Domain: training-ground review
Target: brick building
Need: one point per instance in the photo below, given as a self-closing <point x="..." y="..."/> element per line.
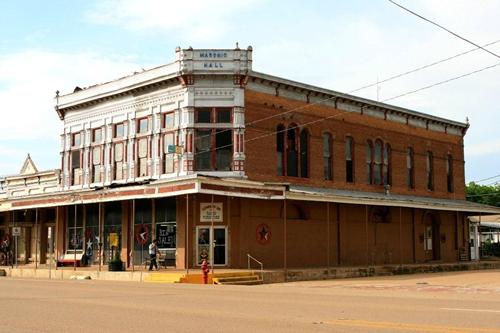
<point x="211" y="157"/>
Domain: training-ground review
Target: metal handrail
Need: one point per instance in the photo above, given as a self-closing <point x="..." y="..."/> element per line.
<point x="258" y="262"/>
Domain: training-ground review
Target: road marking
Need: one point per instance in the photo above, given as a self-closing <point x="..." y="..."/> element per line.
<point x="408" y="327"/>
<point x="471" y="310"/>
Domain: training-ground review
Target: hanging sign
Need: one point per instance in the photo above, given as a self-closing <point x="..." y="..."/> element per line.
<point x="113" y="239"/>
<point x="211" y="212"/>
<point x="16" y="231"/>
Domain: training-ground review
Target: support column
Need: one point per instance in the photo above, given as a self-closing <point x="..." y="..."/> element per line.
<point x="60" y="231"/>
<point x="284" y="237"/>
<point x="414" y="246"/>
<point x="125" y="232"/>
<point x="400" y="236"/>
<point x="339" y="248"/>
<point x="366" y="234"/>
<point x="328" y="239"/>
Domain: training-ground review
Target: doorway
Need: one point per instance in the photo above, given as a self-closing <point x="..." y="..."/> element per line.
<point x="215" y="236"/>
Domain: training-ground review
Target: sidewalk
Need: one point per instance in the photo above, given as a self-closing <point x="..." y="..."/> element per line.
<point x="270" y="276"/>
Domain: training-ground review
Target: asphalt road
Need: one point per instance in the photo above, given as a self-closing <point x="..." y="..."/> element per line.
<point x="456" y="302"/>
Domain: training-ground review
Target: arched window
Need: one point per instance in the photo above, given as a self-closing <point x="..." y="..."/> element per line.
<point x="304" y="153"/>
<point x="410" y="168"/>
<point x="430" y="171"/>
<point x="349" y="159"/>
<point x="291" y="151"/>
<point x="387" y="164"/>
<point x="280" y="149"/>
<point x="377" y="163"/>
<point x="449" y="173"/>
<point x="369" y="162"/>
<point x="327" y="156"/>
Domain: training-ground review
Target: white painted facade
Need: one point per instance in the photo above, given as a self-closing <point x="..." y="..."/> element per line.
<point x="214" y="81"/>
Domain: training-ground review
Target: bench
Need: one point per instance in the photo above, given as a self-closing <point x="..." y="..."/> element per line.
<point x="69" y="259"/>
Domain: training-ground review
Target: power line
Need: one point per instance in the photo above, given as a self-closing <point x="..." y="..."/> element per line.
<point x="445" y="29"/>
<point x="422" y="67"/>
<point x="485" y="179"/>
<point x="441" y="82"/>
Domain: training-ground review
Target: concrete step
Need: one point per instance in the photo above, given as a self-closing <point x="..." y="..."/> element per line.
<point x="238" y="279"/>
<point x="164" y="277"/>
<point x="243" y="282"/>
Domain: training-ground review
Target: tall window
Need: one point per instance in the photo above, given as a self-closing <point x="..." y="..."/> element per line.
<point x="291" y="151"/>
<point x="76" y="171"/>
<point x="119" y="131"/>
<point x="449" y="173"/>
<point x="369" y="162"/>
<point x="304" y="153"/>
<point x="96" y="154"/>
<point x="410" y="168"/>
<point x="430" y="171"/>
<point x="143" y="125"/>
<point x="118" y="155"/>
<point x="387" y="164"/>
<point x="327" y="156"/>
<point x="349" y="159"/>
<point x="214" y="143"/>
<point x="76" y="161"/>
<point x="378" y="162"/>
<point x="169" y="140"/>
<point x="280" y="149"/>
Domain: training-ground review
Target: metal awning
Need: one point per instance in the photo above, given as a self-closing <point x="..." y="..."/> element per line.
<point x="297" y="192"/>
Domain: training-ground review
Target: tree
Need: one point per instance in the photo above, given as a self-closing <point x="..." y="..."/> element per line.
<point x="484" y="194"/>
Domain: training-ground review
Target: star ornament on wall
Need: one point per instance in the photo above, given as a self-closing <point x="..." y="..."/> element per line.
<point x="263" y="234"/>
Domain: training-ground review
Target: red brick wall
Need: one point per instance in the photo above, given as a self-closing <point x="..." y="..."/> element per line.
<point x="261" y="158"/>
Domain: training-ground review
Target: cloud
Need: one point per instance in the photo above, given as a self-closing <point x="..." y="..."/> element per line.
<point x="197" y="20"/>
<point x="28" y="84"/>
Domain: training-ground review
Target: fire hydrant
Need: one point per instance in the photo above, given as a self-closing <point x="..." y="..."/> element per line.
<point x="204" y="271"/>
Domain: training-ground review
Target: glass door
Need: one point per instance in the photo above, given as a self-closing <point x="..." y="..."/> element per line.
<point x="217" y="236"/>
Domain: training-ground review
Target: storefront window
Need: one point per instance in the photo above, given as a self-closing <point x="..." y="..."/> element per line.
<point x="142" y="230"/>
<point x="92" y="234"/>
<point x="166" y="228"/>
<point x="75" y="228"/>
<point x="112" y="229"/>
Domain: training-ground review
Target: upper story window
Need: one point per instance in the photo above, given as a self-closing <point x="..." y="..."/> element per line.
<point x="369" y="162"/>
<point x="327" y="156"/>
<point x="213" y="149"/>
<point x="378" y="164"/>
<point x="292" y="150"/>
<point x="449" y="173"/>
<point x="410" y="168"/>
<point x="218" y="115"/>
<point x="169" y="120"/>
<point x="430" y="171"/>
<point x="97" y="135"/>
<point x="280" y="149"/>
<point x="304" y="153"/>
<point x="76" y="140"/>
<point x="143" y="125"/>
<point x="119" y="131"/>
<point x="349" y="160"/>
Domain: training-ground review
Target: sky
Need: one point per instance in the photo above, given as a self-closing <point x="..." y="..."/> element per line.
<point x="341" y="45"/>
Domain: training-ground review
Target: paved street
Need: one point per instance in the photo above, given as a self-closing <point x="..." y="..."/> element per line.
<point x="454" y="302"/>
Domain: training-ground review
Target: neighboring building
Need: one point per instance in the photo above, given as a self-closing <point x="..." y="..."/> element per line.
<point x="211" y="157"/>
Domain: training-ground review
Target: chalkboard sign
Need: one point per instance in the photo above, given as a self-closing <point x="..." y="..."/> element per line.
<point x="165" y="234"/>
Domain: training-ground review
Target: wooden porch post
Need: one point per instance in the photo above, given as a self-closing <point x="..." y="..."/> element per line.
<point x="328" y="239"/>
<point x="284" y="237"/>
<point x="366" y="234"/>
<point x="186" y="256"/>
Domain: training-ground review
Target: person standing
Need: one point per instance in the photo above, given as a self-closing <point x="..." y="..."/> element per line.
<point x="153" y="252"/>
